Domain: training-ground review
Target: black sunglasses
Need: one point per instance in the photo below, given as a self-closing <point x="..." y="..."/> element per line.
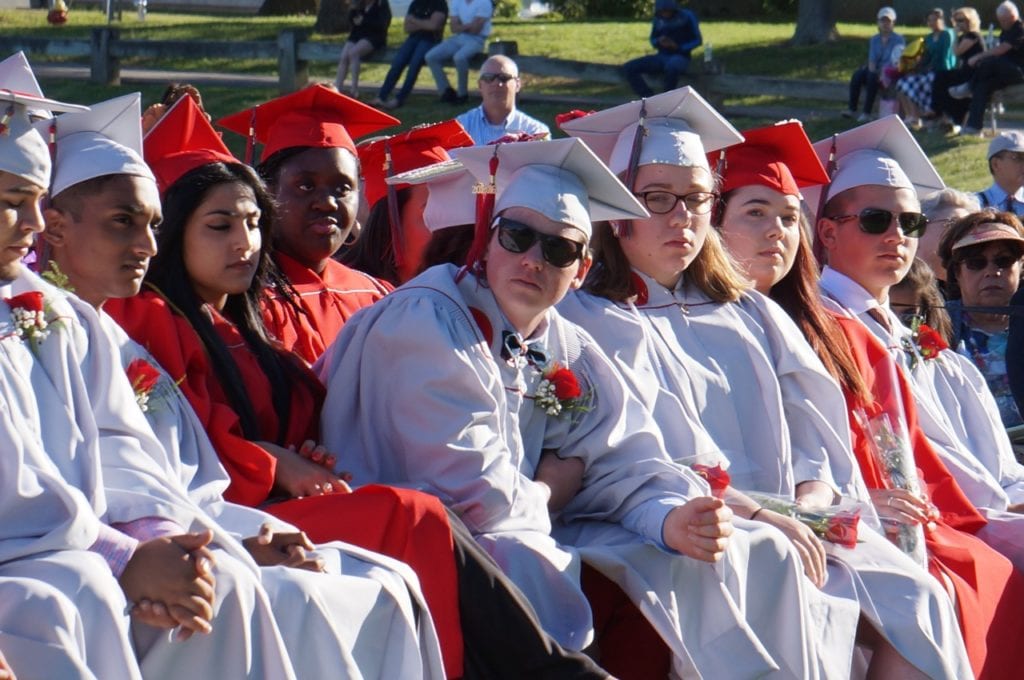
<point x="876" y="221"/>
<point x="516" y="237"/>
<point x="979" y="262"/>
<point x="502" y="78"/>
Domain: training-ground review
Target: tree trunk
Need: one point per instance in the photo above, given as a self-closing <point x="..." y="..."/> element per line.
<point x="815" y="23"/>
<point x="332" y="17"/>
<point x="285" y="7"/>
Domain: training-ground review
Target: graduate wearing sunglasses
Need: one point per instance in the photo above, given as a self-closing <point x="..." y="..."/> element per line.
<point x="880" y="166"/>
<point x="982" y="253"/>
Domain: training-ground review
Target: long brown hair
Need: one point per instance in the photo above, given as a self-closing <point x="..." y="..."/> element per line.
<point x="797" y="293"/>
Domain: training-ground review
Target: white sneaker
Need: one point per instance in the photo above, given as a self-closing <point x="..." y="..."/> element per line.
<point x="864" y="117"/>
<point x="968" y="131"/>
<point x="962" y="91"/>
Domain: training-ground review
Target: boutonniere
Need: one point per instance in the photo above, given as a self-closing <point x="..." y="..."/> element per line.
<point x="559" y="390"/>
<point x="924" y="342"/>
<point x="28" y="314"/>
<point x="144" y="378"/>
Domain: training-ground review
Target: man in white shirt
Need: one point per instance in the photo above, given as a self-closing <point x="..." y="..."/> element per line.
<point x="498" y="116"/>
<point x="471" y="24"/>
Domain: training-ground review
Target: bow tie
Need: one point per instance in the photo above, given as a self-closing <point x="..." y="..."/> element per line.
<point x="515" y="351"/>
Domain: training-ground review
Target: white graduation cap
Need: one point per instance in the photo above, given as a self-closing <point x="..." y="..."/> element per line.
<point x="23" y="149"/>
<point x="106" y="140"/>
<point x="882" y="153"/>
<point x="451" y="201"/>
<point x="681" y="129"/>
<point x="561" y="179"/>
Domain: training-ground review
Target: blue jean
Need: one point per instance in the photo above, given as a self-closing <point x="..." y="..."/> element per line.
<point x="670" y="66"/>
<point x="867" y="79"/>
<point x="460" y="48"/>
<point x="411" y="54"/>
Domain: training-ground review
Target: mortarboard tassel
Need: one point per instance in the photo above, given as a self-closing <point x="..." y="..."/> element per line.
<point x="484" y="213"/>
<point x="394" y="216"/>
<point x="623" y="226"/>
<point x="5" y="122"/>
<point x="830" y="169"/>
<point x="250" y="141"/>
<point x="51" y="140"/>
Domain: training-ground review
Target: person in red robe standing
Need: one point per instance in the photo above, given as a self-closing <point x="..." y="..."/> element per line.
<point x="311" y="168"/>
<point x="260" y="404"/>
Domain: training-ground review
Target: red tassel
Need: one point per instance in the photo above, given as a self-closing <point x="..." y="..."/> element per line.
<point x="250" y="142"/>
<point x="394" y="217"/>
<point x="5" y="122"/>
<point x="52" y="140"/>
<point x="484" y="214"/>
<point x="830" y="169"/>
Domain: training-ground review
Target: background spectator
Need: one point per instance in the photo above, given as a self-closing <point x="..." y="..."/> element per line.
<point x="370" y="20"/>
<point x="424" y="22"/>
<point x="497" y="115"/>
<point x="1006" y="163"/>
<point x="915" y="89"/>
<point x="942" y="208"/>
<point x="674" y="34"/>
<point x="968" y="43"/>
<point x="995" y="68"/>
<point x="471" y="24"/>
<point x="884" y="49"/>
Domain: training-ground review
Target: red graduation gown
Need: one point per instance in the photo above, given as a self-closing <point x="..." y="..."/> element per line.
<point x="988" y="589"/>
<point x="328" y="301"/>
<point x="407" y="525"/>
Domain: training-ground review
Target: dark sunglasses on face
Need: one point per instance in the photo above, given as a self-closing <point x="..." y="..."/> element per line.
<point x="502" y="78"/>
<point x="877" y="221"/>
<point x="516" y="237"/>
<point x="980" y="262"/>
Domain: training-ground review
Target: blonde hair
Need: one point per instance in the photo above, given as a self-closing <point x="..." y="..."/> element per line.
<point x="971" y="14"/>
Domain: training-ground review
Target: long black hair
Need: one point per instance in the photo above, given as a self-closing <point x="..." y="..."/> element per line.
<point x="374" y="252"/>
<point x="167" y="275"/>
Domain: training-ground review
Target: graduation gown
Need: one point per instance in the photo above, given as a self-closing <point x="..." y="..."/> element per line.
<point x="409" y="527"/>
<point x="745" y="374"/>
<point x="957" y="413"/>
<point x="361" y="606"/>
<point x="987" y="586"/>
<point x="325" y="302"/>
<point x="443" y="410"/>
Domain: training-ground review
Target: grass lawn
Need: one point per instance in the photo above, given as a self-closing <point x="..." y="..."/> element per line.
<point x="744" y="48"/>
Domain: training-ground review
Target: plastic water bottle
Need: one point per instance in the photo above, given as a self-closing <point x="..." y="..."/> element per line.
<point x="707" y="54"/>
<point x="142" y="9"/>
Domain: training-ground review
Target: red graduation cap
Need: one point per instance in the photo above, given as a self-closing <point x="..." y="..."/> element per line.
<point x="779" y="156"/>
<point x="316" y="116"/>
<point x="419" y="147"/>
<point x="182" y="140"/>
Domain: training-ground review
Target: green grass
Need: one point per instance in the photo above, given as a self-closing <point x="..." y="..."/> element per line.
<point x="745" y="48"/>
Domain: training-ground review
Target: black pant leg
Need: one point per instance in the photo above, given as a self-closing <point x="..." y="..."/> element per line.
<point x="503" y="637"/>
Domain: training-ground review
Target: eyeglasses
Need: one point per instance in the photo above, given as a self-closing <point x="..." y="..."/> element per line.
<point x="664" y="202"/>
<point x="980" y="262"/>
<point x="516" y="237"/>
<point x="1015" y="156"/>
<point x="502" y="78"/>
<point x="876" y="221"/>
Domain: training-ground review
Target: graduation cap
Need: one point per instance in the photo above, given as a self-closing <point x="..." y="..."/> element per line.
<point x="562" y="179"/>
<point x="183" y="140"/>
<point x="421" y="146"/>
<point x="316" y="116"/>
<point x="106" y="140"/>
<point x="450" y="201"/>
<point x="778" y="156"/>
<point x="882" y="152"/>
<point x="676" y="128"/>
<point x="23" y="148"/>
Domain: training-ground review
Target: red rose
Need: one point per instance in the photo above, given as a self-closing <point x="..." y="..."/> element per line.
<point x="716" y="477"/>
<point x="566" y="385"/>
<point x="570" y="115"/>
<point x="842" y="529"/>
<point x="143" y="376"/>
<point x="930" y="342"/>
<point x="31" y="301"/>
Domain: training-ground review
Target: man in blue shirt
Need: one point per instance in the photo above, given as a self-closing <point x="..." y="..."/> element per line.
<point x="498" y="116"/>
<point x="674" y="33"/>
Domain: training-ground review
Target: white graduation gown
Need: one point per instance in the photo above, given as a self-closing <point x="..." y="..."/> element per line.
<point x="364" y="618"/>
<point x="93" y="432"/>
<point x="746" y="373"/>
<point x="957" y="413"/>
<point x="419" y="395"/>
